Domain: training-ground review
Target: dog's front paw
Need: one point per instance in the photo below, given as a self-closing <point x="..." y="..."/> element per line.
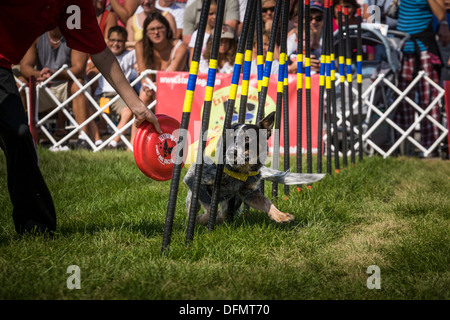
<point x="203" y="219"/>
<point x="278" y="216"/>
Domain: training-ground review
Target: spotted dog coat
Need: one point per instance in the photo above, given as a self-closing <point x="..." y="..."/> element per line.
<point x="243" y="170"/>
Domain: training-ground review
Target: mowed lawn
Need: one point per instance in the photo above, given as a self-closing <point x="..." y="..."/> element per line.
<point x="388" y="214"/>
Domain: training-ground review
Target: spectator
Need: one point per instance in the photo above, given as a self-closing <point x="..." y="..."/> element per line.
<point x="117" y="37"/>
<point x="135" y="23"/>
<point x="176" y="11"/>
<point x="369" y="14"/>
<point x="209" y="28"/>
<point x="33" y="207"/>
<point x="351" y="5"/>
<point x="105" y="18"/>
<point x="275" y="63"/>
<point x="421" y="53"/>
<point x="124" y="9"/>
<point x="444" y="50"/>
<point x="227" y="51"/>
<point x="192" y="17"/>
<point x="47" y="55"/>
<point x="316" y="25"/>
<point x="268" y="10"/>
<point x="158" y="50"/>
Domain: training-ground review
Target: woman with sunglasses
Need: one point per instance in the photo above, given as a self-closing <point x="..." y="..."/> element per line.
<point x="268" y="10"/>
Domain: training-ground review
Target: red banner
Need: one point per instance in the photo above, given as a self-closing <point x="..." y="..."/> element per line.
<point x="172" y="88"/>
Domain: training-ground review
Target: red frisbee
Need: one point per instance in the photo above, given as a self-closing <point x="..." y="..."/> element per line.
<point x="153" y="152"/>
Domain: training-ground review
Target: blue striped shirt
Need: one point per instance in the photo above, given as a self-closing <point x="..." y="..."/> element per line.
<point x="414" y="17"/>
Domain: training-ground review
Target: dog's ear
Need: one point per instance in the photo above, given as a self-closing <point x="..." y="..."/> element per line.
<point x="267" y="123"/>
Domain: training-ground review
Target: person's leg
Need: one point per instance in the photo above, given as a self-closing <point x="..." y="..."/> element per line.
<point x="33" y="208"/>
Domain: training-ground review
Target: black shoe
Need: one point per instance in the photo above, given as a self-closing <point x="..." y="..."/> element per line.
<point x="82" y="144"/>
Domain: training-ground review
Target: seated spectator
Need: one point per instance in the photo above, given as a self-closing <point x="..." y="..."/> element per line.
<point x="209" y="28"/>
<point x="227" y="52"/>
<point x="123" y="9"/>
<point x="47" y="55"/>
<point x="175" y="10"/>
<point x="192" y="17"/>
<point x="158" y="50"/>
<point x="117" y="37"/>
<point x="275" y="63"/>
<point x="135" y="23"/>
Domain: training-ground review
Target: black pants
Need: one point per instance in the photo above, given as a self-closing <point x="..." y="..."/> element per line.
<point x="33" y="207"/>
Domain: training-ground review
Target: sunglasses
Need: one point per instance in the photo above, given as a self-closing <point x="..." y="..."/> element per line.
<point x="317" y="18"/>
<point x="264" y="10"/>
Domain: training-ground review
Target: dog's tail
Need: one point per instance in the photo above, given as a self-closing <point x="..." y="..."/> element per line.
<point x="289" y="178"/>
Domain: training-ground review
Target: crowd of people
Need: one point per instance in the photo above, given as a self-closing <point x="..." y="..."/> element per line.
<point x="160" y="35"/>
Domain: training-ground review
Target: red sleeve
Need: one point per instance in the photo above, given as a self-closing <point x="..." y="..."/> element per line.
<point x="80" y="28"/>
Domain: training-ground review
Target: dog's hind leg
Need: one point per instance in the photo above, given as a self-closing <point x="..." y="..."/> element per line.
<point x="188" y="203"/>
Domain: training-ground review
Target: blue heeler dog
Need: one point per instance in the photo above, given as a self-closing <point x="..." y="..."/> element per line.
<point x="245" y="153"/>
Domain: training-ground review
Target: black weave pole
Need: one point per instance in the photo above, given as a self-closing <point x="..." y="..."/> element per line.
<point x="229" y="112"/>
<point x="333" y="92"/>
<point x="267" y="69"/>
<point x="299" y="158"/>
<point x="259" y="46"/>
<point x="308" y="86"/>
<point x="247" y="69"/>
<point x="286" y="162"/>
<point x="348" y="47"/>
<point x="327" y="28"/>
<point x="187" y="106"/>
<point x="280" y="89"/>
<point x="205" y="121"/>
<point x="359" y="59"/>
<point x="323" y="70"/>
<point x="341" y="46"/>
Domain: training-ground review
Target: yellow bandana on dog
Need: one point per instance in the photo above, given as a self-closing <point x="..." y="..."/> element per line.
<point x="240" y="176"/>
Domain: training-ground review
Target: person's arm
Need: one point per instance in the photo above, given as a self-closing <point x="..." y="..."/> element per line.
<point x="179" y="59"/>
<point x="130" y="40"/>
<point x="438" y="9"/>
<point x="172" y="23"/>
<point x="126" y="11"/>
<point x="108" y="65"/>
<point x="29" y="61"/>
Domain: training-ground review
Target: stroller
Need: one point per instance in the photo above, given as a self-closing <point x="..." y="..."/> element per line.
<point x="387" y="61"/>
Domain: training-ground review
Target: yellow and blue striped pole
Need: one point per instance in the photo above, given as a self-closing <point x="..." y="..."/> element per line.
<point x="308" y="86"/>
<point x="299" y="88"/>
<point x="350" y="85"/>
<point x="259" y="45"/>
<point x="328" y="81"/>
<point x="280" y="106"/>
<point x="187" y="106"/>
<point x="342" y="86"/>
<point x="359" y="80"/>
<point x="229" y="112"/>
<point x="209" y="92"/>
<point x="268" y="62"/>
<point x="286" y="164"/>
<point x="333" y="91"/>
<point x="247" y="70"/>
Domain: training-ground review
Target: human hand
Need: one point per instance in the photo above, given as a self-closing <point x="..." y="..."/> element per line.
<point x="44" y="74"/>
<point x="147" y="115"/>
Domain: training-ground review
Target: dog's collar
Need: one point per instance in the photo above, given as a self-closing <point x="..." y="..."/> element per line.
<point x="239" y="175"/>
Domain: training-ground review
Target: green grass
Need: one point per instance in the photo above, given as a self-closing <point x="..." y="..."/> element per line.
<point x="393" y="213"/>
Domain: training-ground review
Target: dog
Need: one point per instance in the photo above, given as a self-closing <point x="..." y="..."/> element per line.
<point x="245" y="152"/>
